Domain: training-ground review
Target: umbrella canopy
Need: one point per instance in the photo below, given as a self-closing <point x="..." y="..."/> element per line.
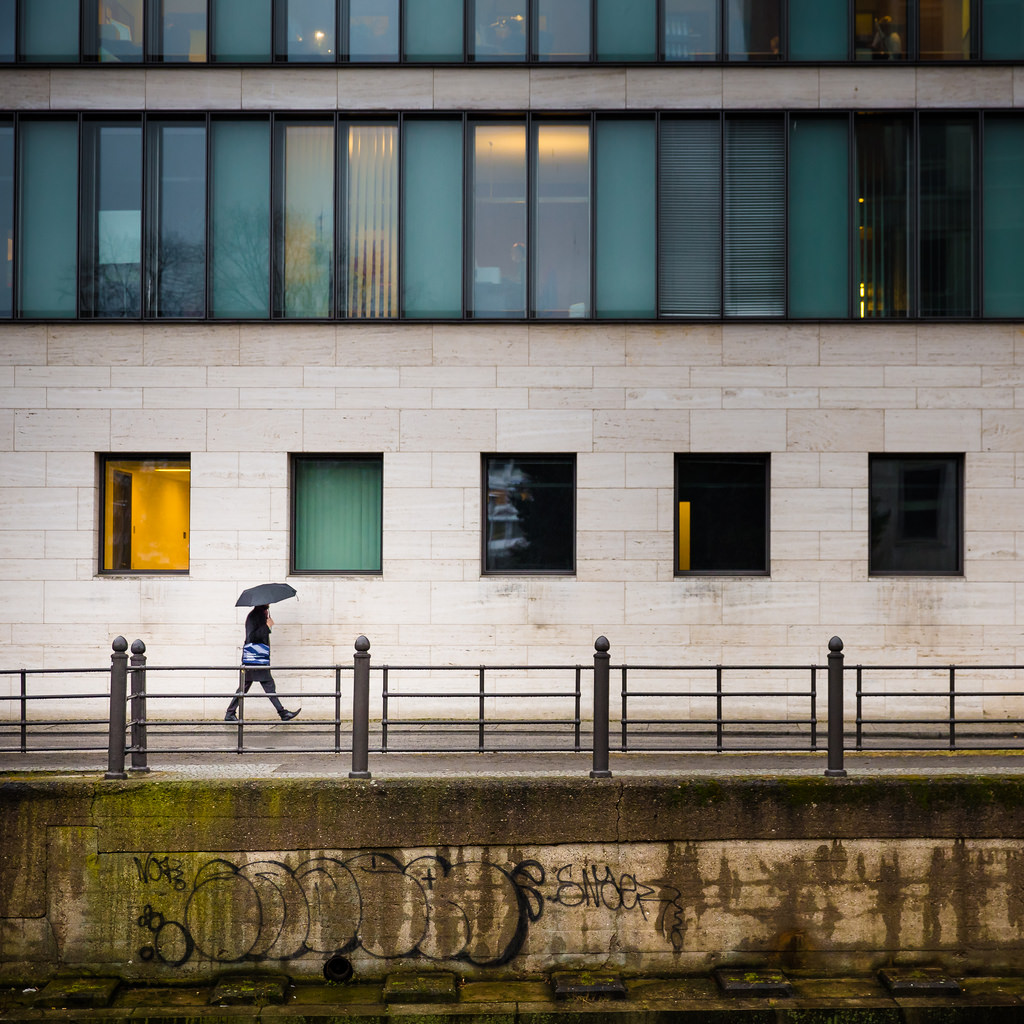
<point x="265" y="593"/>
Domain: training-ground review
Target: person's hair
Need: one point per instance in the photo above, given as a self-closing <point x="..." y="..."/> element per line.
<point x="256" y="617"/>
<point x="885" y="23"/>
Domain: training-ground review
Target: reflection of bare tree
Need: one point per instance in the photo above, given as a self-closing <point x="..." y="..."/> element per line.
<point x="117" y="289"/>
<point x="307" y="267"/>
<point x="241" y="261"/>
<point x="179" y="275"/>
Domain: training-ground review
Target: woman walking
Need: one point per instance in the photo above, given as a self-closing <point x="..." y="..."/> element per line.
<point x="258" y="624"/>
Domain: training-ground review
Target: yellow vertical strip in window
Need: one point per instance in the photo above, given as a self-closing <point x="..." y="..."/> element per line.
<point x="684" y="536"/>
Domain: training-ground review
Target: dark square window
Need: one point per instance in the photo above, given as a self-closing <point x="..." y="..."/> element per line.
<point x="529" y="513"/>
<point x="722" y="514"/>
<point x="337" y="513"/>
<point x="916" y="504"/>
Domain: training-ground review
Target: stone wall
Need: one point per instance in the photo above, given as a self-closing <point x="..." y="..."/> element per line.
<point x="161" y="879"/>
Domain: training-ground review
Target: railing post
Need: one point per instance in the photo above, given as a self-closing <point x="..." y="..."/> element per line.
<point x="140" y="752"/>
<point x="361" y="710"/>
<point x="118" y="697"/>
<point x="601" y="669"/>
<point x="835" y="767"/>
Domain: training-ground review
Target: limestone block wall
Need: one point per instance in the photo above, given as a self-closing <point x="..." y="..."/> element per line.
<point x="239" y="399"/>
<point x="157" y="880"/>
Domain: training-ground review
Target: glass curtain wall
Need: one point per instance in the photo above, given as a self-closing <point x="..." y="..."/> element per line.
<point x="433" y="30"/>
<point x="372" y="30"/>
<point x="120" y="30"/>
<point x="50" y="30"/>
<point x="818" y="30"/>
<point x="947" y="230"/>
<point x="176" y="219"/>
<point x="499" y="29"/>
<point x="307" y="30"/>
<point x="240" y="31"/>
<point x="240" y="218"/>
<point x="691" y="30"/>
<point x="499" y="220"/>
<point x="561" y="29"/>
<point x="371" y="229"/>
<point x="304" y="264"/>
<point x="111" y="268"/>
<point x="183" y="30"/>
<point x="561" y="220"/>
<point x="7" y="218"/>
<point x="432" y="210"/>
<point x="8" y="37"/>
<point x="1003" y="29"/>
<point x="884" y="179"/>
<point x="627" y="31"/>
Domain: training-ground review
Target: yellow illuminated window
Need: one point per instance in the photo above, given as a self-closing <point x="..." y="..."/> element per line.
<point x="145" y="514"/>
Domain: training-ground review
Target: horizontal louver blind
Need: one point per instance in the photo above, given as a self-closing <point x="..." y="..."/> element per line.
<point x="690" y="240"/>
<point x="755" y="212"/>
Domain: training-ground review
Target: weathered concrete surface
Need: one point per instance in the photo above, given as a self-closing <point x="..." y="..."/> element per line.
<point x="157" y="879"/>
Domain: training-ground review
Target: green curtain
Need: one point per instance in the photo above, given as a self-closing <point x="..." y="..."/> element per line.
<point x="625" y="250"/>
<point x="1003" y="227"/>
<point x="338" y="515"/>
<point x="819" y="231"/>
<point x="241" y="218"/>
<point x="432" y="251"/>
<point x="47" y="228"/>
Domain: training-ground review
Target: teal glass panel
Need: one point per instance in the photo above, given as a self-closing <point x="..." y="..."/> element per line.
<point x="337" y="514"/>
<point x="562" y="29"/>
<point x="176" y="151"/>
<point x="433" y="30"/>
<point x="310" y="31"/>
<point x="819" y="29"/>
<point x="304" y="268"/>
<point x="48" y="219"/>
<point x="432" y="254"/>
<point x="7" y="218"/>
<point x="373" y="30"/>
<point x="49" y="30"/>
<point x="499" y="30"/>
<point x="626" y="248"/>
<point x="7" y="30"/>
<point x="947" y="173"/>
<point x="1003" y="204"/>
<point x="819" y="217"/>
<point x="691" y="30"/>
<point x="183" y="30"/>
<point x="1002" y="26"/>
<point x="112" y="222"/>
<point x="627" y="31"/>
<point x="240" y="211"/>
<point x="241" y="30"/>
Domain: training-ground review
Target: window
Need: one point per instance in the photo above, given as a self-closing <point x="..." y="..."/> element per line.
<point x="529" y="513"/>
<point x="307" y="30"/>
<point x="120" y="28"/>
<point x="6" y="218"/>
<point x="1003" y="200"/>
<point x="722" y="514"/>
<point x="49" y="30"/>
<point x="916" y="508"/>
<point x="240" y="31"/>
<point x="183" y="30"/>
<point x="145" y="502"/>
<point x="337" y="513"/>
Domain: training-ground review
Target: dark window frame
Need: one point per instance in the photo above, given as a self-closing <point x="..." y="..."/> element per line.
<point x="486" y="460"/>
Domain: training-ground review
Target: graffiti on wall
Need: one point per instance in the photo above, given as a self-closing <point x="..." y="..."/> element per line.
<point x="476" y="911"/>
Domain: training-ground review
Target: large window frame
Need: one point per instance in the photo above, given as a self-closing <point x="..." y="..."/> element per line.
<point x="506" y="499"/>
<point x="916" y="511"/>
<point x="130" y="486"/>
<point x="360" y="479"/>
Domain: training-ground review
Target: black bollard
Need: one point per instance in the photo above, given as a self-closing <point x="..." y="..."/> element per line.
<point x="361" y="710"/>
<point x="602" y="661"/>
<point x="118" y="709"/>
<point x="835" y="767"/>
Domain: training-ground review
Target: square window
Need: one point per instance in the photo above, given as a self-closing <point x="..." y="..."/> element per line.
<point x="529" y="513"/>
<point x="337" y="506"/>
<point x="145" y="503"/>
<point x="722" y="514"/>
<point x="916" y="504"/>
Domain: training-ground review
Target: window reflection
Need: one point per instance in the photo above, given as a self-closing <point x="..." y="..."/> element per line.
<point x="310" y="30"/>
<point x="183" y="30"/>
<point x="499" y="220"/>
<point x="691" y="29"/>
<point x="563" y="29"/>
<point x="373" y="30"/>
<point x="880" y="29"/>
<point x="499" y="29"/>
<point x="561" y="276"/>
<point x="120" y="30"/>
<point x="372" y="221"/>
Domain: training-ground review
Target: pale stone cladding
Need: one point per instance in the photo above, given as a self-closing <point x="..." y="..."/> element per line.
<point x="624" y="398"/>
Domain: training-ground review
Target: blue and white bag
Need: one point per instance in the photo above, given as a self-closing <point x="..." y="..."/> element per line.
<point x="256" y="654"/>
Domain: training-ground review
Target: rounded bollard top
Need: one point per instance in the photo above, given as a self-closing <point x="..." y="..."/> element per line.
<point x="138" y="647"/>
<point x="120" y="645"/>
<point x="835" y="645"/>
<point x="601" y="644"/>
<point x="362" y="644"/>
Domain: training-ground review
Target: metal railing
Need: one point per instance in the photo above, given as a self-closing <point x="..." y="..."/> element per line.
<point x="560" y="726"/>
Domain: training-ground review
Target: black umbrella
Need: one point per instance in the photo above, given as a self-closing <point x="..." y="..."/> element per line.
<point x="265" y="593"/>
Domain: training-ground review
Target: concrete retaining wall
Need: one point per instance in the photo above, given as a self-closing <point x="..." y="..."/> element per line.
<point x="162" y="879"/>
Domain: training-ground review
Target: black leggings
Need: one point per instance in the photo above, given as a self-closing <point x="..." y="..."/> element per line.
<point x="263" y="676"/>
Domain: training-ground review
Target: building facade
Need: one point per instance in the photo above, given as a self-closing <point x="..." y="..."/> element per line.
<point x="494" y="327"/>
